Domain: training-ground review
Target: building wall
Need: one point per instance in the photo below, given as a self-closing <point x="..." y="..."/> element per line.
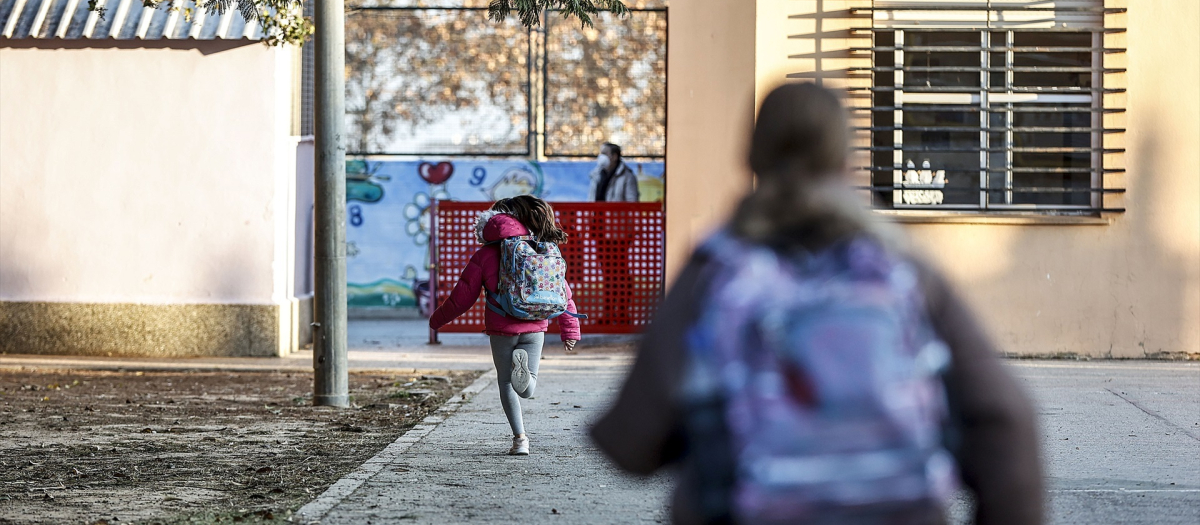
<point x="710" y="111"/>
<point x="303" y="279"/>
<point x="147" y="198"/>
<point x="1127" y="285"/>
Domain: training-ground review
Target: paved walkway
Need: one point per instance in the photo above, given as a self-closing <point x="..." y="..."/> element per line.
<point x="1122" y="447"/>
<point x="455" y="470"/>
<point x="1122" y="439"/>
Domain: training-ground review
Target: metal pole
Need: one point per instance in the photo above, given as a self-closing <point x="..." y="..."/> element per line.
<point x="434" y="266"/>
<point x="330" y="374"/>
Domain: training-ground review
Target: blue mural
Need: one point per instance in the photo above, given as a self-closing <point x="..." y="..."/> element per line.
<point x="362" y="184"/>
<point x="388" y="205"/>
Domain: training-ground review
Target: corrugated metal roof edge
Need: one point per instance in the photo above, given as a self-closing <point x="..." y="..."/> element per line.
<point x="134" y="39"/>
<point x="124" y="20"/>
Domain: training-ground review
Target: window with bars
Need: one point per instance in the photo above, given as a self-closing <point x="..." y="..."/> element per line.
<point x="990" y="105"/>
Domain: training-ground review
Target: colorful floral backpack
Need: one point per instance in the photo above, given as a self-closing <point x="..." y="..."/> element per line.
<point x="814" y="390"/>
<point x="533" y="282"/>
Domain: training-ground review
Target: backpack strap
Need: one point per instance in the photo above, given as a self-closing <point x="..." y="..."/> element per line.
<point x="529" y="238"/>
<point x="720" y="244"/>
<point x="724" y="250"/>
<point x="490" y="299"/>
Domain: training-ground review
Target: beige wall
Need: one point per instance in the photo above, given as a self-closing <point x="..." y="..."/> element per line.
<point x="1126" y="286"/>
<point x="149" y="173"/>
<point x="710" y="110"/>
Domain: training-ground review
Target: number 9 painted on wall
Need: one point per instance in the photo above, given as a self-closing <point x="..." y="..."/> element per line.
<point x="477" y="176"/>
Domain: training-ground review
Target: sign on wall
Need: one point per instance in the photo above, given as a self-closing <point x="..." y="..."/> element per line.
<point x="388" y="212"/>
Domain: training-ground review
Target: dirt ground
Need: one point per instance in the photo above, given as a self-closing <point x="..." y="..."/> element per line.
<point x="191" y="447"/>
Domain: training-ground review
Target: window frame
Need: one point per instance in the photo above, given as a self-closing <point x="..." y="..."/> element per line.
<point x="988" y="100"/>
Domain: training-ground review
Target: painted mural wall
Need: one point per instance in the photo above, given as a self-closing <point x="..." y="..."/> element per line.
<point x="388" y="206"/>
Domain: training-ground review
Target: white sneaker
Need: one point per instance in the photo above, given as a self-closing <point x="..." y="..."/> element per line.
<point x="520" y="370"/>
<point x="520" y="447"/>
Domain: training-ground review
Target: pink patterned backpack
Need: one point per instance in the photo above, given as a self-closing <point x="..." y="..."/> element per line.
<point x="533" y="283"/>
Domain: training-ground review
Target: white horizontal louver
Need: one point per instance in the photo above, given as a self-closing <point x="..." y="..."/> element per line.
<point x="981" y="14"/>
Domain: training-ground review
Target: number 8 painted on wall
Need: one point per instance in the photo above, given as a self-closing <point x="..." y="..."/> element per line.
<point x="356" y="218"/>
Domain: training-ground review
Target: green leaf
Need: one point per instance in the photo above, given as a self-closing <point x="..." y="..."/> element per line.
<point x="529" y="11"/>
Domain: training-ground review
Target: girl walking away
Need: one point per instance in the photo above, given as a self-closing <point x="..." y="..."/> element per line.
<point x="806" y="367"/>
<point x="523" y="295"/>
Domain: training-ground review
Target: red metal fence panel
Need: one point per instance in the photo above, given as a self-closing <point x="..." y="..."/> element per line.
<point x="614" y="256"/>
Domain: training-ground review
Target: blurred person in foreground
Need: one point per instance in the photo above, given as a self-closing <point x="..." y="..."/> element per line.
<point x="805" y="368"/>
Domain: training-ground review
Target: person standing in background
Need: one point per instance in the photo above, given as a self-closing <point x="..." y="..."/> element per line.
<point x="612" y="179"/>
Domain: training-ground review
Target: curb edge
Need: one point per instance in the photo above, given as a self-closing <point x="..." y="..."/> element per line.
<point x="312" y="512"/>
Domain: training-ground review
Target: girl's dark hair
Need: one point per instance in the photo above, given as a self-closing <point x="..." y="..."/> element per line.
<point x="799" y="152"/>
<point x="536" y="214"/>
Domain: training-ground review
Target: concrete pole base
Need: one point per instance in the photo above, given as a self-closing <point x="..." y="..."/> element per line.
<point x="340" y="401"/>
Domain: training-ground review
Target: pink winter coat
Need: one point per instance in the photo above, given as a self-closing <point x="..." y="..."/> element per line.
<point x="484" y="270"/>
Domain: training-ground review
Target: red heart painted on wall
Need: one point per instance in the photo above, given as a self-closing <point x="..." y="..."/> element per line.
<point x="436" y="173"/>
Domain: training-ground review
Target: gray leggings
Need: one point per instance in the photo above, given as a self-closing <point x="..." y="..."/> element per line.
<point x="502" y="349"/>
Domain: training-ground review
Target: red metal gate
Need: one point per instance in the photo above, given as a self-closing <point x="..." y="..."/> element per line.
<point x="614" y="256"/>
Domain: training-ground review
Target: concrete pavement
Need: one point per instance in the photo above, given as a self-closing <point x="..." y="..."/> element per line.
<point x="1121" y="438"/>
<point x="457" y="472"/>
<point x="1122" y="446"/>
